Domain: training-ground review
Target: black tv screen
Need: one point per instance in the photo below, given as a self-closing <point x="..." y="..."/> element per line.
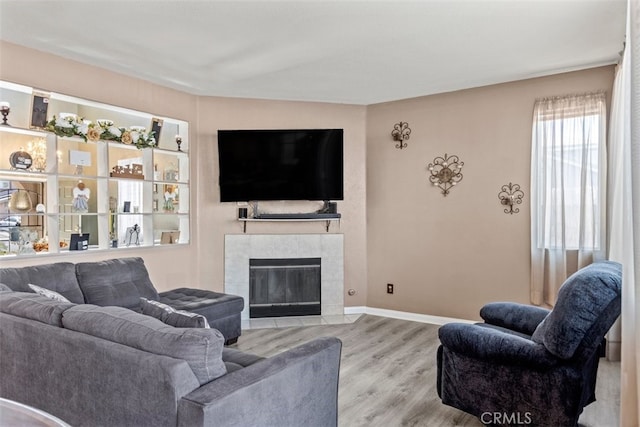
<point x="297" y="164"/>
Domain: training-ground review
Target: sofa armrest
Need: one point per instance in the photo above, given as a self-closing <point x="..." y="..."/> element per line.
<point x="296" y="387"/>
<point x="495" y="346"/>
<point x="517" y="317"/>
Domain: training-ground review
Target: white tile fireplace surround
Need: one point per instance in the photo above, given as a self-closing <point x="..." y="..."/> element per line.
<point x="239" y="248"/>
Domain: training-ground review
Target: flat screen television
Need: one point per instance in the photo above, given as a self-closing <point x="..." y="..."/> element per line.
<point x="296" y="164"/>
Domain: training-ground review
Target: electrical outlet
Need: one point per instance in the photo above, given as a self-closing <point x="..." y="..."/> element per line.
<point x="389" y="288"/>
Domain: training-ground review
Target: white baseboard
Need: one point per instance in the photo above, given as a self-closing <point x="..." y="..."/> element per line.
<point x="355" y="310"/>
<point x="403" y="315"/>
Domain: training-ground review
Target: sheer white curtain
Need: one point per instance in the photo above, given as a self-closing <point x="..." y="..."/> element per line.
<point x="624" y="207"/>
<point x="568" y="176"/>
<point x="621" y="244"/>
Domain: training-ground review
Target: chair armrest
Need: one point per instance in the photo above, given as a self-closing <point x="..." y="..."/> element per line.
<point x="517" y="317"/>
<point x="495" y="346"/>
<point x="296" y="387"/>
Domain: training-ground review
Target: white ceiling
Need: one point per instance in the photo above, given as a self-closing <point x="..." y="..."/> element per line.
<point x="355" y="52"/>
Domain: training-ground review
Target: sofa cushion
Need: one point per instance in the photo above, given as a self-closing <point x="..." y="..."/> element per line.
<point x="212" y="305"/>
<point x="587" y="301"/>
<point x="200" y="348"/>
<point x="5" y="288"/>
<point x="33" y="306"/>
<point x="120" y="282"/>
<point x="59" y="277"/>
<point x="171" y="316"/>
<point x="47" y="293"/>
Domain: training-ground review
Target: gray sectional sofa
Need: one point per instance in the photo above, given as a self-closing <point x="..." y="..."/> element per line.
<point x="121" y="282"/>
<point x="111" y="366"/>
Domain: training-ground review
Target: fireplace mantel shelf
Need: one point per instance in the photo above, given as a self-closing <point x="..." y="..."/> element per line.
<point x="290" y="219"/>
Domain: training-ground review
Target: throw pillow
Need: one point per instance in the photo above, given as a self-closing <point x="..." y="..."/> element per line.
<point x="48" y="293"/>
<point x="171" y="316"/>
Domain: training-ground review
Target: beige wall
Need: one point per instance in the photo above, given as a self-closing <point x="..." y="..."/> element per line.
<point x="168" y="266"/>
<point x="201" y="264"/>
<point x="448" y="256"/>
<point x="217" y="219"/>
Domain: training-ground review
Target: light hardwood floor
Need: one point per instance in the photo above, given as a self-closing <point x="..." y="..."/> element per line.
<point x="388" y="374"/>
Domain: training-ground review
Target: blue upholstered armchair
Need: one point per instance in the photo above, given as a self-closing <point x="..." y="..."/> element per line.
<point x="528" y="365"/>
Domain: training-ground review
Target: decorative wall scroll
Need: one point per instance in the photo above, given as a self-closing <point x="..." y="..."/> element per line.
<point x="446" y="172"/>
<point x="401" y="133"/>
<point x="509" y="196"/>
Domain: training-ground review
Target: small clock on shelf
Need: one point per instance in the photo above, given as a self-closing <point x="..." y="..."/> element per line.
<point x="20" y="160"/>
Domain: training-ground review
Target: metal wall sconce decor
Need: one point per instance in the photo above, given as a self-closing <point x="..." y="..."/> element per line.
<point x="446" y="172"/>
<point x="509" y="196"/>
<point x="400" y="133"/>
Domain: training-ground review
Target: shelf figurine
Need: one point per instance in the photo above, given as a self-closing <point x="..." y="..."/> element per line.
<point x="27" y="238"/>
<point x="169" y="198"/>
<point x="81" y="195"/>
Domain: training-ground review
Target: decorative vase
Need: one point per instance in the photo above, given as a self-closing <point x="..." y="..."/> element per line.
<point x="20" y="201"/>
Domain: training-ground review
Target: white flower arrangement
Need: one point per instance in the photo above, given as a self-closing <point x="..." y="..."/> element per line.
<point x="67" y="124"/>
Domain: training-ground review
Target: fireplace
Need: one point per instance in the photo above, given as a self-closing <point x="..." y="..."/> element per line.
<point x="329" y="247"/>
<point x="284" y="287"/>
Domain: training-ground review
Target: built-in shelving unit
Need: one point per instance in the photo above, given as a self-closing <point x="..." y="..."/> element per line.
<point x="137" y="197"/>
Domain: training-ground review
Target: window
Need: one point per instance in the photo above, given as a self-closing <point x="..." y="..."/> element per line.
<point x="568" y="184"/>
<point x="568" y="170"/>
